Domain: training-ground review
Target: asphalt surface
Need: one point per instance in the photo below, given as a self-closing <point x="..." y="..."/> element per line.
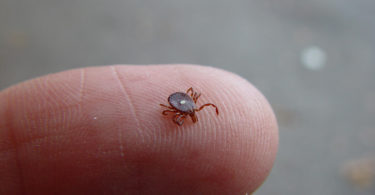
<point x="314" y="60"/>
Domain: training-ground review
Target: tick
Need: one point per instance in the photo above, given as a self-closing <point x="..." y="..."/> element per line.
<point x="184" y="105"/>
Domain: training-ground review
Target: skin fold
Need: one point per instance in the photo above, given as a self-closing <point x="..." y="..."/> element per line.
<point x="100" y="131"/>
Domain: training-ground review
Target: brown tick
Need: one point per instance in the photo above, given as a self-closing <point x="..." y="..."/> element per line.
<point x="183" y="105"/>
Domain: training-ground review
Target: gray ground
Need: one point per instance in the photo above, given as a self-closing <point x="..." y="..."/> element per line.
<point x="326" y="114"/>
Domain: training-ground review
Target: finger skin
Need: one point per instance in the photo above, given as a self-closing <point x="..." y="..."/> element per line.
<point x="100" y="130"/>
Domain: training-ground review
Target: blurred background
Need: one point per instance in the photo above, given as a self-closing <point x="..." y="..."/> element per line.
<point x="314" y="60"/>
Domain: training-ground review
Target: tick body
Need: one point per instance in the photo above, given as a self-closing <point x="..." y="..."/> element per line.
<point x="184" y="105"/>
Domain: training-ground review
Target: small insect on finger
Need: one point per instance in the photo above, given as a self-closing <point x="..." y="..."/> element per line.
<point x="184" y="105"/>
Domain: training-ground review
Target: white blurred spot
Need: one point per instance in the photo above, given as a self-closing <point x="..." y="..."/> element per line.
<point x="313" y="58"/>
<point x="182" y="101"/>
<point x="95" y="118"/>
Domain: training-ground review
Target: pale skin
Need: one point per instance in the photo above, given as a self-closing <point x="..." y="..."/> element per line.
<point x="100" y="130"/>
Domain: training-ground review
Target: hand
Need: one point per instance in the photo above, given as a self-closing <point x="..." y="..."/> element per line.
<point x="100" y="130"/>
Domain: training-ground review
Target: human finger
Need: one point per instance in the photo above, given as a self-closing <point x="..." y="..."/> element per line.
<point x="100" y="130"/>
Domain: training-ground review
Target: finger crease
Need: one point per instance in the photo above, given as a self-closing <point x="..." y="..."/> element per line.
<point x="82" y="84"/>
<point x="13" y="140"/>
<point x="132" y="108"/>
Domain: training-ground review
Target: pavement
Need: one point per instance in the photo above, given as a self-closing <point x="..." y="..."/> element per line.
<point x="314" y="60"/>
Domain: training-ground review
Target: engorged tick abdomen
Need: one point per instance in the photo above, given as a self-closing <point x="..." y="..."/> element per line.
<point x="182" y="102"/>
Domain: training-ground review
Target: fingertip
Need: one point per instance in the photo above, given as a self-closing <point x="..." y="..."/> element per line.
<point x="108" y="118"/>
<point x="243" y="132"/>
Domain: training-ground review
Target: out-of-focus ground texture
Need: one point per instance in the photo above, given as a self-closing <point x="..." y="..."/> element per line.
<point x="314" y="60"/>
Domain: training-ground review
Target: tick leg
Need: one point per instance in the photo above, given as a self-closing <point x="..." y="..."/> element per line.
<point x="179" y="119"/>
<point x="190" y="90"/>
<point x="165" y="112"/>
<point x="170" y="107"/>
<point x="196" y="96"/>
<point x="193" y="94"/>
<point x="209" y="104"/>
<point x="194" y="118"/>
